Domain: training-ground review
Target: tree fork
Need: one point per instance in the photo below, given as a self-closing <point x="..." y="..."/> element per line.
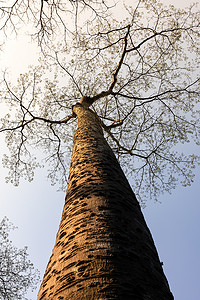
<point x="103" y="249"/>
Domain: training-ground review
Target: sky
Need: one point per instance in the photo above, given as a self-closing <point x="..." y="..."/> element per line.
<point x="35" y="208"/>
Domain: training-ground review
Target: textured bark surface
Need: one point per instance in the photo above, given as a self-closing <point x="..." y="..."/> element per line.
<point x="103" y="249"/>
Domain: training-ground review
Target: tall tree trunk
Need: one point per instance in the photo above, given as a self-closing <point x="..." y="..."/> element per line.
<point x="103" y="249"/>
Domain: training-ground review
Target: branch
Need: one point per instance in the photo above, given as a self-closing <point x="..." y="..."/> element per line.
<point x="87" y="101"/>
<point x="23" y="124"/>
<point x="107" y="129"/>
<point x="151" y="98"/>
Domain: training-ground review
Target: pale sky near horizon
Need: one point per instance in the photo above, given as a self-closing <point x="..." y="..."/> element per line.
<point x="36" y="208"/>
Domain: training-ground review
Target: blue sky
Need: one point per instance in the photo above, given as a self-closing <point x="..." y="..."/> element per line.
<point x="36" y="209"/>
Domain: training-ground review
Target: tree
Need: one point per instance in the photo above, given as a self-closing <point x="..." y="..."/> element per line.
<point x="17" y="273"/>
<point x="103" y="249"/>
<point x="140" y="77"/>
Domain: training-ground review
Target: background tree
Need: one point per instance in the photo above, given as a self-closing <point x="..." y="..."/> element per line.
<point x="140" y="80"/>
<point x="17" y="274"/>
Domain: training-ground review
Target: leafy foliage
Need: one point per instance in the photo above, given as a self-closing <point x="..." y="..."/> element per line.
<point x="17" y="273"/>
<point x="47" y="18"/>
<point x="139" y="74"/>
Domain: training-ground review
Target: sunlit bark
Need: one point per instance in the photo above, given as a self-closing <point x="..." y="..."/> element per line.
<point x="103" y="249"/>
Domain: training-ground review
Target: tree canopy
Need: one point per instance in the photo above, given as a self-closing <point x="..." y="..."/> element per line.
<point x="138" y="70"/>
<point x="17" y="273"/>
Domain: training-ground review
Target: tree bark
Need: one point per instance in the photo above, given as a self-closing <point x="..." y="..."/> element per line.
<point x="103" y="249"/>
